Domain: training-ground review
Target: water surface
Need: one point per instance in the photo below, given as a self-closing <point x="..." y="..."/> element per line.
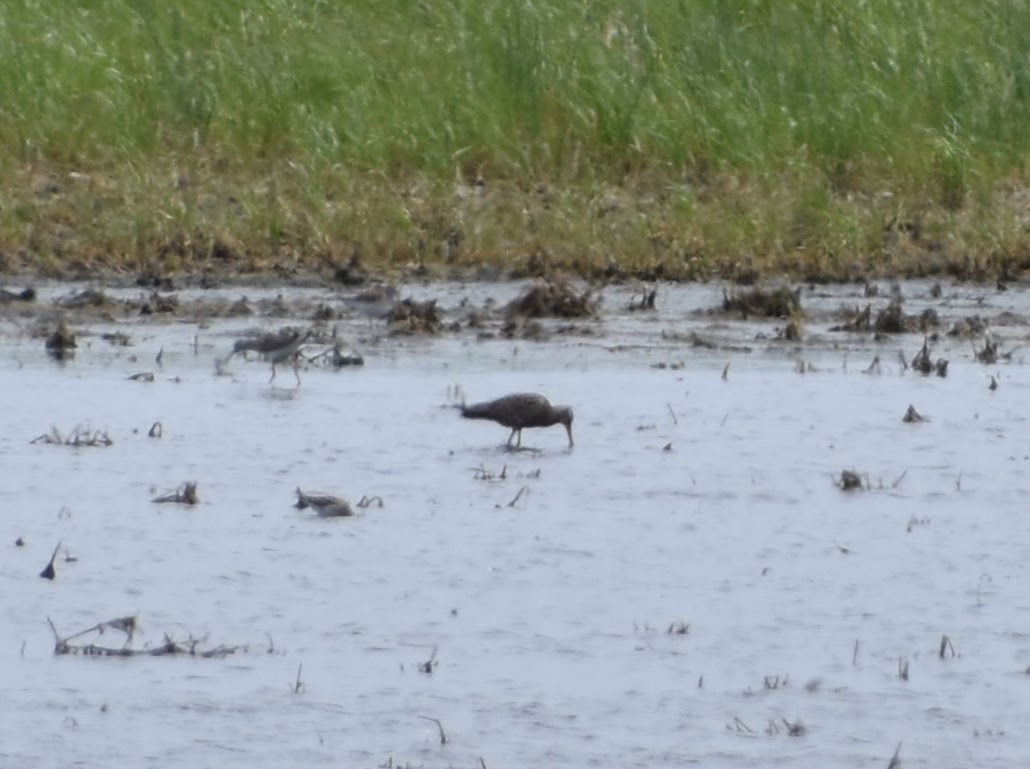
<point x="689" y="501"/>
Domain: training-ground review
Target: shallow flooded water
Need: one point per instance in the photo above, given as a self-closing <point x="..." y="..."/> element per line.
<point x="680" y="588"/>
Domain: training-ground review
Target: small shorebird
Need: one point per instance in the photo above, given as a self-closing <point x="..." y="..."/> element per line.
<point x="276" y="347"/>
<point x="521" y="410"/>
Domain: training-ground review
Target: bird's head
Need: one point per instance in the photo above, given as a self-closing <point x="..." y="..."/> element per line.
<point x="565" y="418"/>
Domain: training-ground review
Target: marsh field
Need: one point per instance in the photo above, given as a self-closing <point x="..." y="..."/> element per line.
<point x="773" y="256"/>
<point x="692" y="140"/>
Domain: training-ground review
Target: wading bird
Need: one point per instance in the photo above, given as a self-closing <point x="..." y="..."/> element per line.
<point x="277" y="347"/>
<point x="519" y="411"/>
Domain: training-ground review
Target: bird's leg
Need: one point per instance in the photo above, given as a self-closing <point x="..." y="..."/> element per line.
<point x="273" y="373"/>
<point x="513" y="431"/>
<point x="518" y="442"/>
<point x="296" y="368"/>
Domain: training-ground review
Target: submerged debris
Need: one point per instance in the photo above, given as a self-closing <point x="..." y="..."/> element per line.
<point x="25" y="295"/>
<point x="79" y="437"/>
<point x="116" y="338"/>
<point x="849" y="481"/>
<point x="855" y="320"/>
<point x="128" y="625"/>
<point x="893" y="320"/>
<point x="646" y="301"/>
<point x="552" y="297"/>
<point x="912" y="416"/>
<point x="61" y="343"/>
<point x="184" y="495"/>
<point x="764" y="303"/>
<point x="326" y="505"/>
<point x="989" y="354"/>
<point x="88" y="297"/>
<point x="411" y="317"/>
<point x="524" y="328"/>
<point x="167" y="303"/>
<point x="970" y="326"/>
<point x="351" y="272"/>
<point x="340" y="355"/>
<point x="926" y="366"/>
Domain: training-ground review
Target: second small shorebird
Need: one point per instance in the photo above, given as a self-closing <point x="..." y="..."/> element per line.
<point x="277" y="347"/>
<point x="521" y="410"/>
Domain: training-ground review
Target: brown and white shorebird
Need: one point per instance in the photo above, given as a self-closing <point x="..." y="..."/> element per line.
<point x="277" y="347"/>
<point x="519" y="411"/>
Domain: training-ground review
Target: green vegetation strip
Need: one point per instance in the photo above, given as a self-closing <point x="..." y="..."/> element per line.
<point x="828" y="140"/>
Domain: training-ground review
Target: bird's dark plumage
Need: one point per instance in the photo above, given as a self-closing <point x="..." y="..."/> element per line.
<point x="521" y="410"/>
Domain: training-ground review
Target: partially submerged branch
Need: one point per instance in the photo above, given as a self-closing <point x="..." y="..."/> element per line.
<point x="128" y="626"/>
<point x="439" y="726"/>
<point x="79" y="437"/>
<point x="326" y="505"/>
<point x="185" y="495"/>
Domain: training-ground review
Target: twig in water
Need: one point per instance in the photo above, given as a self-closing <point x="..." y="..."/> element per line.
<point x="979" y="587"/>
<point x="854" y="655"/>
<point x="895" y="762"/>
<point x="674" y="420"/>
<point x="903" y="669"/>
<point x="945" y="646"/>
<point x="298" y="686"/>
<point x="739" y="726"/>
<point x="443" y="734"/>
<point x="523" y="490"/>
<point x="726" y="378"/>
<point x="796" y="729"/>
<point x="49" y="572"/>
<point x="160" y="354"/>
<point x="366" y="501"/>
<point x="155" y="430"/>
<point x="899" y="479"/>
<point x="427" y="666"/>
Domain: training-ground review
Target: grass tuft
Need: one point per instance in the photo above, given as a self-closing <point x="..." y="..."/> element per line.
<point x="680" y="140"/>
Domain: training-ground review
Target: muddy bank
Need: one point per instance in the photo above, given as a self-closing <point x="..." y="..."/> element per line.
<point x="985" y="323"/>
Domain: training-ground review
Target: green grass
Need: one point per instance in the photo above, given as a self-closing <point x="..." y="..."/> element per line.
<point x="687" y="139"/>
